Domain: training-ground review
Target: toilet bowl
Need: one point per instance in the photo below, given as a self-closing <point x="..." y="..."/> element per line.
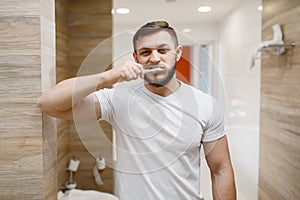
<point x="76" y="194"/>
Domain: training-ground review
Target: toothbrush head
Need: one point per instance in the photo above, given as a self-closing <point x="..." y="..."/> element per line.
<point x="152" y="70"/>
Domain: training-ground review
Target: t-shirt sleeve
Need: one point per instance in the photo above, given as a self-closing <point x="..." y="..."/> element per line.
<point x="214" y="128"/>
<point x="104" y="97"/>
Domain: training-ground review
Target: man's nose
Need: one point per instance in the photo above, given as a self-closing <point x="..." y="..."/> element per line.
<point x="154" y="57"/>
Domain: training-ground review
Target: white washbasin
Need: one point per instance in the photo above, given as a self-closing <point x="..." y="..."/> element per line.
<point x="76" y="194"/>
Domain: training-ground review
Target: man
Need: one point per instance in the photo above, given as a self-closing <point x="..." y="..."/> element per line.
<point x="160" y="122"/>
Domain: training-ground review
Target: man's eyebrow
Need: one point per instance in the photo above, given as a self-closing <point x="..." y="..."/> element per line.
<point x="151" y="48"/>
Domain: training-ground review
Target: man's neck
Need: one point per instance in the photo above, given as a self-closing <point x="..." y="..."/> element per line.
<point x="165" y="90"/>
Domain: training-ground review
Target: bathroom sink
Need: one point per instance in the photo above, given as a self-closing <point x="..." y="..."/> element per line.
<point x="76" y="194"/>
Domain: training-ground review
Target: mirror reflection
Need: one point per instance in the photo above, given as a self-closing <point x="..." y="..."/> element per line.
<point x="130" y="99"/>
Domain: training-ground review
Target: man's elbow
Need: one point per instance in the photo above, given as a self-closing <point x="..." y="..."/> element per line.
<point x="222" y="171"/>
<point x="45" y="105"/>
<point x="41" y="102"/>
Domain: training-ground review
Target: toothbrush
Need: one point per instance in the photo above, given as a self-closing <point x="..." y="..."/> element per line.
<point x="152" y="70"/>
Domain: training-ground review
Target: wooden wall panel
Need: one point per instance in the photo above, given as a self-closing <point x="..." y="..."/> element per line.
<point x="20" y="47"/>
<point x="80" y="27"/>
<point x="47" y="20"/>
<point x="27" y="137"/>
<point x="62" y="72"/>
<point x="21" y="166"/>
<point x="21" y="163"/>
<point x="49" y="158"/>
<point x="280" y="111"/>
<point x="89" y="24"/>
<point x="63" y="151"/>
<point x="62" y="34"/>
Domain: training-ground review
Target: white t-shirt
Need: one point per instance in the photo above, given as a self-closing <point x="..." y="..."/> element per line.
<point x="158" y="139"/>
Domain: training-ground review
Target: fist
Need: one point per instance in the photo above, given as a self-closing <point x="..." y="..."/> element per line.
<point x="129" y="70"/>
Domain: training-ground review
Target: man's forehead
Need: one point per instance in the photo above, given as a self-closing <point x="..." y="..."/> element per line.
<point x="152" y="46"/>
<point x="154" y="40"/>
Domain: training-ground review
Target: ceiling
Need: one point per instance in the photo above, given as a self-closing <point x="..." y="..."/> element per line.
<point x="174" y="11"/>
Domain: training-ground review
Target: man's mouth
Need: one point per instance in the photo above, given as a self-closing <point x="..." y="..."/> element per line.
<point x="153" y="70"/>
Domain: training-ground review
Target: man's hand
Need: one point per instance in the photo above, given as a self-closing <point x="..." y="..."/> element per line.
<point x="126" y="71"/>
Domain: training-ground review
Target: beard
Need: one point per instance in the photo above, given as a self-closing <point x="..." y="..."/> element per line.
<point x="164" y="81"/>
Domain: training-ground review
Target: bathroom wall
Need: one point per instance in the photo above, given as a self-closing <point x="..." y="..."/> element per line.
<point x="81" y="27"/>
<point x="27" y="137"/>
<point x="239" y="32"/>
<point x="280" y="112"/>
<point x="62" y="72"/>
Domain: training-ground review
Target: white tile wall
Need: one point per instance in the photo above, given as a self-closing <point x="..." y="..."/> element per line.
<point x="239" y="33"/>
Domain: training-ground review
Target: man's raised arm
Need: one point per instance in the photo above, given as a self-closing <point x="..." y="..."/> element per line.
<point x="77" y="93"/>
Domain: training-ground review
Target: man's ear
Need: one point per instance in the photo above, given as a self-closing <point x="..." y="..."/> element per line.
<point x="179" y="50"/>
<point x="134" y="56"/>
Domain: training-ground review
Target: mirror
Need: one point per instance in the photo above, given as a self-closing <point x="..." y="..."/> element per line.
<point x="219" y="44"/>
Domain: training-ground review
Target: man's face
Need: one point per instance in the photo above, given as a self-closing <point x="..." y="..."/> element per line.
<point x="158" y="50"/>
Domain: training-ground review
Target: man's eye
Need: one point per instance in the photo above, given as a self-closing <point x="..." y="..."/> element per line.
<point x="146" y="52"/>
<point x="163" y="50"/>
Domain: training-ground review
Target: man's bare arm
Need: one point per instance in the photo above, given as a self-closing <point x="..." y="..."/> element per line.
<point x="218" y="160"/>
<point x="77" y="93"/>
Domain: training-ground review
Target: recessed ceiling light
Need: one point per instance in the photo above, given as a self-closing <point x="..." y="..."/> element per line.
<point x="204" y="9"/>
<point x="122" y="11"/>
<point x="260" y="8"/>
<point x="186" y="30"/>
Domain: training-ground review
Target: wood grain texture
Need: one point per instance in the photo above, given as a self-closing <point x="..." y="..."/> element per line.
<point x="49" y="158"/>
<point x="63" y="150"/>
<point x="274" y="7"/>
<point x="15" y="8"/>
<point x="48" y="79"/>
<point x="89" y="25"/>
<point x="80" y="27"/>
<point x="27" y="138"/>
<point x="62" y="48"/>
<point x="20" y="45"/>
<point x="94" y="7"/>
<point x="19" y="114"/>
<point x="21" y="161"/>
<point x="280" y="107"/>
<point x="62" y="72"/>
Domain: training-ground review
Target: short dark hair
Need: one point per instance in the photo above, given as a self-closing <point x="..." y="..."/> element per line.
<point x="153" y="27"/>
